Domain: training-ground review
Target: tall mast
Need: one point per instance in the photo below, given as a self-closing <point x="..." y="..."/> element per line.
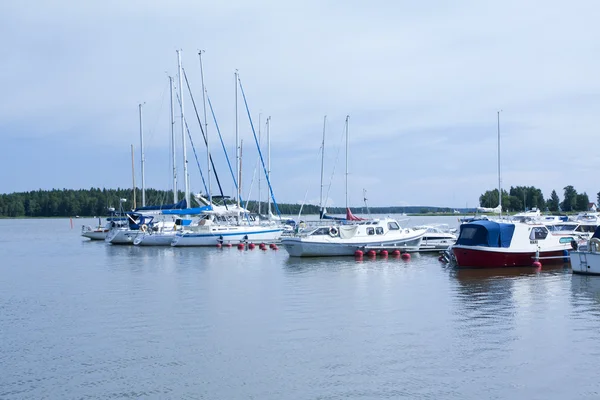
<point x="269" y="160"/>
<point x="175" y="196"/>
<point x="186" y="177"/>
<point x="499" y="179"/>
<point x="322" y="165"/>
<point x="142" y="157"/>
<point x="205" y="127"/>
<point x="237" y="145"/>
<point x="133" y="176"/>
<point x="240" y="174"/>
<point x="347" y="118"/>
<point x="259" y="180"/>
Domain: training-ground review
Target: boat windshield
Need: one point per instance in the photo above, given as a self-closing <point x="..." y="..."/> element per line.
<point x="320" y="231"/>
<point x="562" y="227"/>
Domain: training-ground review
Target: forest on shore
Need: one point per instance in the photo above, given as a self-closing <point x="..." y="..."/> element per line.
<point x="95" y="202"/>
<point x="521" y="198"/>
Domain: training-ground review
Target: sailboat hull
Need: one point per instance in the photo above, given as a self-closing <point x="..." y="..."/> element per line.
<point x="154" y="239"/>
<point x="224" y="235"/>
<point x="121" y="236"/>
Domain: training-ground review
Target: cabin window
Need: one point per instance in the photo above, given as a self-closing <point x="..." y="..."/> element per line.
<point x="321" y="231"/>
<point x="393" y="226"/>
<point x="538" y="233"/>
<point x="379" y="230"/>
<point x="586" y="228"/>
<point x="370" y="231"/>
<point x="468" y="233"/>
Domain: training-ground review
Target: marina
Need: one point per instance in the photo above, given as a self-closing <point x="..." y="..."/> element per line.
<point x="278" y="200"/>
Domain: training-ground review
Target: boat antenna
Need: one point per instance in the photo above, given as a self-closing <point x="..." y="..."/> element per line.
<point x="365" y="200"/>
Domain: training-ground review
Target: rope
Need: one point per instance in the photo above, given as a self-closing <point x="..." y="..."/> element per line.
<point x="258" y="147"/>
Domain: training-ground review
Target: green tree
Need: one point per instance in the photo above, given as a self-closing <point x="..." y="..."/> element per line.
<point x="553" y="202"/>
<point x="583" y="202"/>
<point x="570" y="199"/>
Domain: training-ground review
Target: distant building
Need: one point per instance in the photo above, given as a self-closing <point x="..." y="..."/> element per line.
<point x="592" y="207"/>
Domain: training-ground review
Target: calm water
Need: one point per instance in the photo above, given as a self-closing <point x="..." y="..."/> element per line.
<point x="85" y="320"/>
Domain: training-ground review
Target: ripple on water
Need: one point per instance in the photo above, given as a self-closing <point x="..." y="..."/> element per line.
<point x="87" y="320"/>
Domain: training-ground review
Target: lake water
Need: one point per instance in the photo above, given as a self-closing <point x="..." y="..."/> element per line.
<point x="85" y="320"/>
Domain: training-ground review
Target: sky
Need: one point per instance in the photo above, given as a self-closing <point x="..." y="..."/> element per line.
<point x="422" y="83"/>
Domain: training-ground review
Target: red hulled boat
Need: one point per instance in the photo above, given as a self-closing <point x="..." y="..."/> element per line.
<point x="490" y="244"/>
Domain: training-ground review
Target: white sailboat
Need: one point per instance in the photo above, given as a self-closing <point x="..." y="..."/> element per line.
<point x="227" y="224"/>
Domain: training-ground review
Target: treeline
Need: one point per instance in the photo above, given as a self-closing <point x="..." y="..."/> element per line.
<point x="520" y="198"/>
<point x="96" y="202"/>
<point x="70" y="203"/>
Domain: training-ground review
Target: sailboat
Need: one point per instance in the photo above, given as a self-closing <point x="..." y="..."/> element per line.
<point x="163" y="233"/>
<point x="219" y="225"/>
<point x="142" y="224"/>
<point x="352" y="234"/>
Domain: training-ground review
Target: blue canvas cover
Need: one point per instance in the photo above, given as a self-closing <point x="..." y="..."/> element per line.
<point x="136" y="220"/>
<point x="597" y="233"/>
<point x="486" y="233"/>
<point x="176" y="206"/>
<point x="188" y="211"/>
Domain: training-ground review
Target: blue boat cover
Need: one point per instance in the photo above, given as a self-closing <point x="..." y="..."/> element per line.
<point x="187" y="211"/>
<point x="486" y="233"/>
<point x="176" y="206"/>
<point x="597" y="233"/>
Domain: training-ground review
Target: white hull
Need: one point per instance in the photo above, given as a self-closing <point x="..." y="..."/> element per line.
<point x="583" y="262"/>
<point x="95" y="235"/>
<point x="121" y="236"/>
<point x="154" y="239"/>
<point x="438" y="244"/>
<point x="299" y="247"/>
<point x="211" y="235"/>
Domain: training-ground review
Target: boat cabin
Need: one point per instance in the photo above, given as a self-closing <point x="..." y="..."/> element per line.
<point x="360" y="228"/>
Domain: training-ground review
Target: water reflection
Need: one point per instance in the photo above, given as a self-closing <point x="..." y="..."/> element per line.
<point x="585" y="291"/>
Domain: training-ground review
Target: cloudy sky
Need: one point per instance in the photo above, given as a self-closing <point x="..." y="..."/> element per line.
<point x="421" y="81"/>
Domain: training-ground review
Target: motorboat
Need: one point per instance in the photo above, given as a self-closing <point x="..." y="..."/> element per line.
<point x="346" y="238"/>
<point x="100" y="231"/>
<point x="586" y="259"/>
<point x="491" y="244"/>
<point x="97" y="232"/>
<point x="583" y="229"/>
<point x="436" y="238"/>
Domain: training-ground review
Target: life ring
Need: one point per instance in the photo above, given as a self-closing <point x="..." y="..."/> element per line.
<point x="144" y="228"/>
<point x="333" y="231"/>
